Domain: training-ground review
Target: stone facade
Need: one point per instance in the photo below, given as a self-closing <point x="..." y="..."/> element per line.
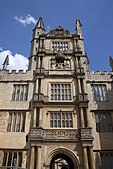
<point x="58" y="114"/>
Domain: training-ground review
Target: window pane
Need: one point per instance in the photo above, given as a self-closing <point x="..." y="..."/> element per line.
<point x="60" y="92"/>
<point x="23" y="122"/>
<point x="106" y="160"/>
<point x="59" y="123"/>
<point x="61" y="119"/>
<point x="9" y="159"/>
<point x="14" y="159"/>
<point x="51" y="115"/>
<point x="20" y="160"/>
<point x="51" y="123"/>
<point x="16" y="122"/>
<point x="4" y="159"/>
<point x="99" y="92"/>
<point x="20" y="92"/>
<point x="103" y="122"/>
<point x="55" y="123"/>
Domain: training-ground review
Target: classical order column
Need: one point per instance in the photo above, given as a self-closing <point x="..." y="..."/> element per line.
<point x="88" y="124"/>
<point x="84" y="85"/>
<point x="92" y="165"/>
<point x="32" y="157"/>
<point x="85" y="158"/>
<point x="34" y="117"/>
<point x="79" y="86"/>
<point x="77" y="62"/>
<point x="82" y="117"/>
<point x="38" y="160"/>
<point x="36" y="88"/>
<point x="40" y="117"/>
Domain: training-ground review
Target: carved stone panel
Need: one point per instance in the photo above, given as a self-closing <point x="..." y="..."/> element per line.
<point x="86" y="133"/>
<point x="59" y="32"/>
<point x="53" y="134"/>
<point x="59" y="62"/>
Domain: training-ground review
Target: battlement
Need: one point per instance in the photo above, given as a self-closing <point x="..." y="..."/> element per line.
<point x="101" y="73"/>
<point x="21" y="71"/>
<point x="99" y="76"/>
<point x="13" y="75"/>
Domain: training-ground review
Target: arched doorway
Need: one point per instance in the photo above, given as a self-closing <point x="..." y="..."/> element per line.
<point x="63" y="158"/>
<point x="61" y="161"/>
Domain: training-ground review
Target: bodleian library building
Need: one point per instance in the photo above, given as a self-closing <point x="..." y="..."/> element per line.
<point x="59" y="113"/>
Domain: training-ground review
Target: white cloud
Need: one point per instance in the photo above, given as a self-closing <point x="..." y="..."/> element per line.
<point x="1" y="49"/>
<point x="28" y="19"/>
<point x="16" y="62"/>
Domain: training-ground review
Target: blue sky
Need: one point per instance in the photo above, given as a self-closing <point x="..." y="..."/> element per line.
<point x="96" y="17"/>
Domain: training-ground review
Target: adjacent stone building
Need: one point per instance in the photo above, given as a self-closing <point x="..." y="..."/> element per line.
<point x="58" y="114"/>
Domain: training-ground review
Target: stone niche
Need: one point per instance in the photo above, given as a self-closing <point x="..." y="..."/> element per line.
<point x="60" y="62"/>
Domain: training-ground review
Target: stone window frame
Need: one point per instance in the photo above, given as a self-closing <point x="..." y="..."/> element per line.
<point x="99" y="92"/>
<point x="12" y="158"/>
<point x="61" y="119"/>
<point x="20" y="92"/>
<point x="60" y="46"/>
<point x="58" y="94"/>
<point x="16" y="121"/>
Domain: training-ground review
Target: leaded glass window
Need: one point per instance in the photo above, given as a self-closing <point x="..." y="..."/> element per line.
<point x="99" y="92"/>
<point x="61" y="92"/>
<point x="61" y="119"/>
<point x="104" y="122"/>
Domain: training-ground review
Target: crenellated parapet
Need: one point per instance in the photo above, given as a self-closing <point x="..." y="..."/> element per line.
<point x="14" y="75"/>
<point x="99" y="76"/>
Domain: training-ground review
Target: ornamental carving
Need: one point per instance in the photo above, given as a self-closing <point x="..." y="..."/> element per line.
<point x="59" y="32"/>
<point x="86" y="133"/>
<point x="53" y="134"/>
<point x="59" y="61"/>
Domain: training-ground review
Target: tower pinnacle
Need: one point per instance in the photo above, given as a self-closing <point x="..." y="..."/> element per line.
<point x="79" y="27"/>
<point x="6" y="63"/>
<point x="40" y="23"/>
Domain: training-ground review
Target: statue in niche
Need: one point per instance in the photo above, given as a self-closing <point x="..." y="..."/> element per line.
<point x="67" y="64"/>
<point x="52" y="63"/>
<point x="59" y="62"/>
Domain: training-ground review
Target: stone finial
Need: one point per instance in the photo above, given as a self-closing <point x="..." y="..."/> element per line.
<point x="79" y="28"/>
<point x="6" y="63"/>
<point x="111" y="62"/>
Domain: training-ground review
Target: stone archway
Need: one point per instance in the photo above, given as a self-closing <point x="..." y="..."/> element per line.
<point x="61" y="161"/>
<point x="62" y="158"/>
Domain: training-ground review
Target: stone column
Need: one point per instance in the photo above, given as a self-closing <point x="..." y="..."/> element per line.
<point x="79" y="86"/>
<point x="92" y="165"/>
<point x="34" y="117"/>
<point x="85" y="158"/>
<point x="40" y="117"/>
<point x="77" y="62"/>
<point x="88" y="124"/>
<point x="32" y="157"/>
<point x="36" y="88"/>
<point x="82" y="117"/>
<point x="38" y="62"/>
<point x="38" y="160"/>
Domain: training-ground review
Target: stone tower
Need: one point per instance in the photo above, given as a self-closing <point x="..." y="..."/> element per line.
<point x="60" y="133"/>
<point x="58" y="114"/>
